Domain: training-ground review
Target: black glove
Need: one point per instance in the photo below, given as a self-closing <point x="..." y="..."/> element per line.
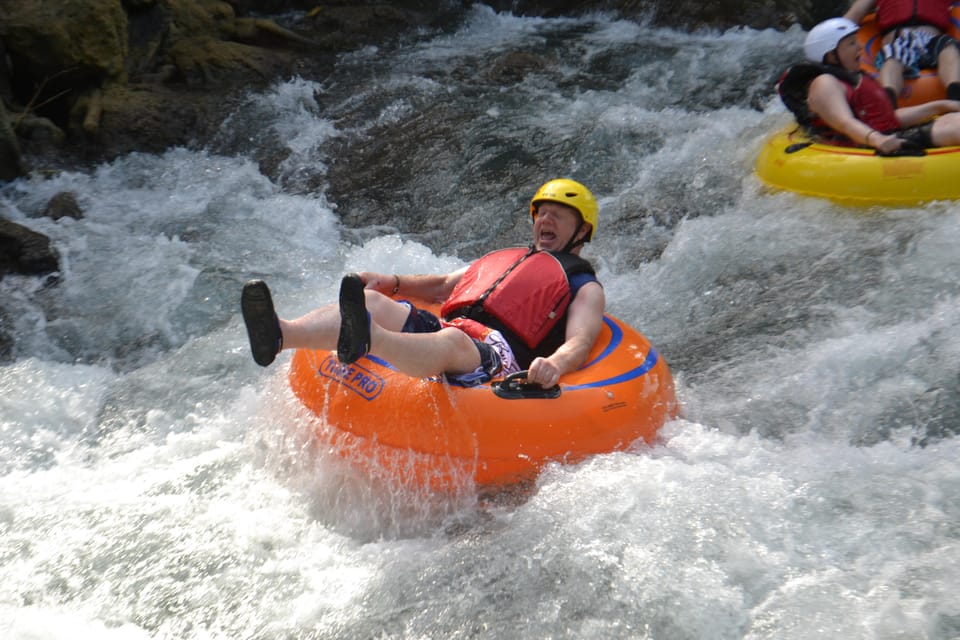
<point x="907" y="148"/>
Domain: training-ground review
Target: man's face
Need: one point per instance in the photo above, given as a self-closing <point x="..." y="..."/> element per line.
<point x="554" y="225"/>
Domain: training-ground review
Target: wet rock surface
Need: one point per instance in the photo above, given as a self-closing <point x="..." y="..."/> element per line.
<point x="87" y="80"/>
<point x="84" y="81"/>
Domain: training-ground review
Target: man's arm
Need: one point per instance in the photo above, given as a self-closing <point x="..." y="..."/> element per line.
<point x="584" y="321"/>
<point x="859" y="10"/>
<point x="432" y="288"/>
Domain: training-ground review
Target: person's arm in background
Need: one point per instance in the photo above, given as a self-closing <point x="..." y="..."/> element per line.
<point x="859" y="9"/>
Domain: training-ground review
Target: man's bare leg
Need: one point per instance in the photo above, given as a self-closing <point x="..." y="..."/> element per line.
<point x="891" y="77"/>
<point x="416" y="354"/>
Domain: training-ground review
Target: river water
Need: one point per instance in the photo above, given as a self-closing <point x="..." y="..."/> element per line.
<point x="156" y="483"/>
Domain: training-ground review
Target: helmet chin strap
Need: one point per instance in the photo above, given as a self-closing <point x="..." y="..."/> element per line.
<point x="574" y="242"/>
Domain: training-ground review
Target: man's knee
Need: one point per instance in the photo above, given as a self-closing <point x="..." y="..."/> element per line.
<point x="949" y="56"/>
<point x="461" y="349"/>
<point x="387" y="312"/>
<point x="457" y="339"/>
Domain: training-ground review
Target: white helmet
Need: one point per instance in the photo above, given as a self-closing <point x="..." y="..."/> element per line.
<point x="824" y="37"/>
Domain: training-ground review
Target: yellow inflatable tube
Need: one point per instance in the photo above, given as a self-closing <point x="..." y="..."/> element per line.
<point x="790" y="160"/>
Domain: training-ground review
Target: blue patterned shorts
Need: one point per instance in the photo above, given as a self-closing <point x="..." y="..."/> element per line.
<point x="496" y="356"/>
<point x="916" y="49"/>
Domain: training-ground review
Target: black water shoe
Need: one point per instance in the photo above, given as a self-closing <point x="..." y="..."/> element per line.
<point x="354" y="340"/>
<point x="263" y="327"/>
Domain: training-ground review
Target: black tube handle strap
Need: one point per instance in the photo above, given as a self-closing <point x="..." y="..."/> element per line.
<point x="514" y="387"/>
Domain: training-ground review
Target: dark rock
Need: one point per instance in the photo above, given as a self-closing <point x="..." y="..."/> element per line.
<point x="688" y="14"/>
<point x="24" y="251"/>
<point x="514" y="66"/>
<point x="11" y="162"/>
<point x="97" y="74"/>
<point x="6" y="340"/>
<point x="63" y="205"/>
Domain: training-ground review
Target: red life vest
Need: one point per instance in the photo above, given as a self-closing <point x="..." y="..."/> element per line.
<point x="903" y="13"/>
<point x="523" y="293"/>
<point x="871" y="105"/>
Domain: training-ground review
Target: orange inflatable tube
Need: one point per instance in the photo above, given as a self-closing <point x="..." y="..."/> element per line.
<point x="440" y="436"/>
<point x="918" y="90"/>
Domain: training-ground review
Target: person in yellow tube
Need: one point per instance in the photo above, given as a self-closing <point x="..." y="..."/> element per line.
<point x="838" y="104"/>
<point x="538" y="308"/>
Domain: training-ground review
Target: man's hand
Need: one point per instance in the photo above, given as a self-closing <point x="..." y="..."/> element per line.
<point x="543" y="372"/>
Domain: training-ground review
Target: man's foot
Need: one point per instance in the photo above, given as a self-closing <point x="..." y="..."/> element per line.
<point x="354" y="340"/>
<point x="263" y="327"/>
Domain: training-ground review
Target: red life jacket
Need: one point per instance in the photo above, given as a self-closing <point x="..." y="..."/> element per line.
<point x="523" y="293"/>
<point x="871" y="105"/>
<point x="904" y="13"/>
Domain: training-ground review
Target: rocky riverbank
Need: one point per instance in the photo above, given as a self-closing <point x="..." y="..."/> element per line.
<point x="83" y="81"/>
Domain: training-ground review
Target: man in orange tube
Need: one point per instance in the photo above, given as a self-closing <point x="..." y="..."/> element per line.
<point x="538" y="308"/>
<point x="914" y="38"/>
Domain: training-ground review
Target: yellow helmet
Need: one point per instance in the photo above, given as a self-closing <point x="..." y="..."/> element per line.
<point x="571" y="193"/>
